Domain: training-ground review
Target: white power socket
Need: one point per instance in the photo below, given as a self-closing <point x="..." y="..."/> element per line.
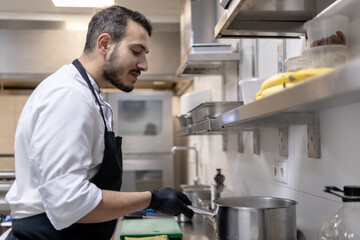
<point x="280" y="172"/>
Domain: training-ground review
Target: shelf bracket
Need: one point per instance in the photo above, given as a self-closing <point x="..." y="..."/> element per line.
<point x="240" y="142"/>
<point x="256" y="141"/>
<point x="224" y="142"/>
<point x="313" y="137"/>
<point x="284" y="141"/>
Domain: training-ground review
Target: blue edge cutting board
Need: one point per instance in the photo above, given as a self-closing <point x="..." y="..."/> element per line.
<point x="150" y="227"/>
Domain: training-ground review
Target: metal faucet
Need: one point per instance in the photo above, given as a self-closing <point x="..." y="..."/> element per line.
<point x="177" y="148"/>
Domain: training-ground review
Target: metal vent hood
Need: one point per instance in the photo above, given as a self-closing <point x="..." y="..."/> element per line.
<point x="200" y="52"/>
<point x="31" y="50"/>
<point x="267" y="18"/>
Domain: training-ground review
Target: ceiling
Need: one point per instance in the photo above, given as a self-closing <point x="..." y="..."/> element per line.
<point x="160" y="11"/>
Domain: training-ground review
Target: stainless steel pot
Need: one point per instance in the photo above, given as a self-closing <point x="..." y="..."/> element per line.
<point x="254" y="218"/>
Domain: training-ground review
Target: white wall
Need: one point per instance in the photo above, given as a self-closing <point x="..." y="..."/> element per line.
<point x="250" y="174"/>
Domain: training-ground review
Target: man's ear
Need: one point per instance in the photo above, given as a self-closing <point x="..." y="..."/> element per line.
<point x="103" y="43"/>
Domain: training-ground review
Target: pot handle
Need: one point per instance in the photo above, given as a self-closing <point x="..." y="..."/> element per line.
<point x="209" y="215"/>
<point x="201" y="211"/>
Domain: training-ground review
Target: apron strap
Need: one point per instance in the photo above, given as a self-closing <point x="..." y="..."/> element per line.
<point x="83" y="73"/>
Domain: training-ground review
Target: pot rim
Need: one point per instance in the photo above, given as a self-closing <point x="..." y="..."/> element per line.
<point x="195" y="188"/>
<point x="249" y="202"/>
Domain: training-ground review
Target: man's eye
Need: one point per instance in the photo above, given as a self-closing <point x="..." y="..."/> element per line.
<point x="136" y="53"/>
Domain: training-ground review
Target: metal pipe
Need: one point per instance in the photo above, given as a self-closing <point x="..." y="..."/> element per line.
<point x="183" y="148"/>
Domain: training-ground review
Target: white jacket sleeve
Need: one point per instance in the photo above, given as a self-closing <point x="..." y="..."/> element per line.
<point x="61" y="154"/>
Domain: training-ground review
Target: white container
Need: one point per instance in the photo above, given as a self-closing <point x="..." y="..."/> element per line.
<point x="329" y="56"/>
<point x="328" y="30"/>
<point x="249" y="88"/>
<point x="188" y="101"/>
<point x="296" y="63"/>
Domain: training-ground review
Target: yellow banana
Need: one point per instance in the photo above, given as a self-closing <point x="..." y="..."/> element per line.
<point x="290" y="77"/>
<point x="275" y="89"/>
<point x="276" y="80"/>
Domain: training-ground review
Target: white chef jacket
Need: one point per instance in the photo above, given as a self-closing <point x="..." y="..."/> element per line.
<point x="59" y="144"/>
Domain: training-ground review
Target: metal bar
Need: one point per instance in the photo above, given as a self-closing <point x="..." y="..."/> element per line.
<point x="256" y="141"/>
<point x="276" y="120"/>
<point x="205" y="126"/>
<point x="184" y="132"/>
<point x="240" y="142"/>
<point x="313" y="138"/>
<point x="284" y="141"/>
<point x="225" y="140"/>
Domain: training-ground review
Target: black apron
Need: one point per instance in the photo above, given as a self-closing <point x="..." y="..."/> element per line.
<point x="108" y="177"/>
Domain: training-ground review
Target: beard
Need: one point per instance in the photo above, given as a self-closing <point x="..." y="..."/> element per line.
<point x="111" y="73"/>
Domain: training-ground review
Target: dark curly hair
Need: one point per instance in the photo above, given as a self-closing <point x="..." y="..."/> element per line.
<point x="113" y="20"/>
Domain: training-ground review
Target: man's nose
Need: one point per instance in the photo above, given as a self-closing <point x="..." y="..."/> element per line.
<point x="143" y="64"/>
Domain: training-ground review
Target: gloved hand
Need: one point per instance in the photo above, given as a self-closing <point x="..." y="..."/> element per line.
<point x="168" y="200"/>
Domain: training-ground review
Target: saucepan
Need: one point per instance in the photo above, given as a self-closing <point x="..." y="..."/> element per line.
<point x="253" y="218"/>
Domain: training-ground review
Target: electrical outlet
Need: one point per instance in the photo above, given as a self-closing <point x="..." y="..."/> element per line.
<point x="281" y="172"/>
<point x="276" y="171"/>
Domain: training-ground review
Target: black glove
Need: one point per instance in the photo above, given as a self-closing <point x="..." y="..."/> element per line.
<point x="168" y="200"/>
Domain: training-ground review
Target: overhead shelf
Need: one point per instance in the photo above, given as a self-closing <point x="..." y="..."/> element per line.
<point x="206" y="127"/>
<point x="338" y="87"/>
<point x="298" y="105"/>
<point x="265" y="19"/>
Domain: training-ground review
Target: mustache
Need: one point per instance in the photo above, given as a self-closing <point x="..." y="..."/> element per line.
<point x="138" y="72"/>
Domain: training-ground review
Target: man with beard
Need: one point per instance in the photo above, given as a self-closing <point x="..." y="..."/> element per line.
<point x="68" y="162"/>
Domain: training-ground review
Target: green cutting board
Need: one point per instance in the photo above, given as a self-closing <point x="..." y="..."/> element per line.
<point x="150" y="227"/>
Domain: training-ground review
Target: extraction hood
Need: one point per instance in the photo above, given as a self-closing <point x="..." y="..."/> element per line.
<point x="200" y="52"/>
<point x="267" y="18"/>
<point x="31" y="50"/>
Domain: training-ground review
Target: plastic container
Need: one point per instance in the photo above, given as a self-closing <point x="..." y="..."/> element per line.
<point x="344" y="224"/>
<point x="190" y="100"/>
<point x="330" y="30"/>
<point x="249" y="88"/>
<point x="296" y="63"/>
<point x="327" y="56"/>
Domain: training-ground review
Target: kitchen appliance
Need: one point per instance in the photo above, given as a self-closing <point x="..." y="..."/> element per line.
<point x="144" y="120"/>
<point x="253" y="217"/>
<point x="144" y="172"/>
<point x="200" y="52"/>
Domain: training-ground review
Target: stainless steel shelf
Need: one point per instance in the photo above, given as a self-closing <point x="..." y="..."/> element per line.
<point x="184" y="132"/>
<point x="298" y="105"/>
<point x="265" y="19"/>
<point x="209" y="126"/>
<point x="338" y="87"/>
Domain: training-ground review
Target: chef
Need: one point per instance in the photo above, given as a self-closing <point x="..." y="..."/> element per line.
<point x="68" y="162"/>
